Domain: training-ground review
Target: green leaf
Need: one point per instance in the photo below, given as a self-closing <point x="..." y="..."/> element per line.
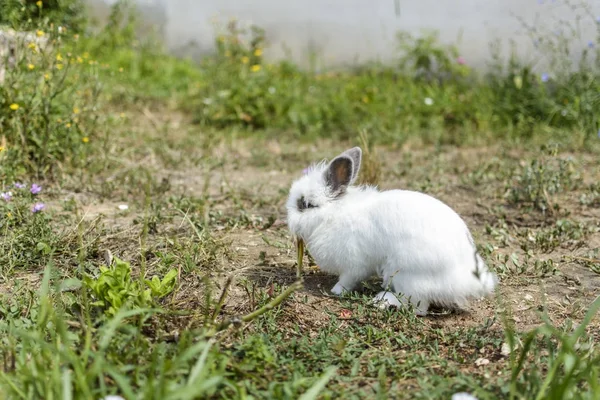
<point x="70" y="284"/>
<point x="44" y="248"/>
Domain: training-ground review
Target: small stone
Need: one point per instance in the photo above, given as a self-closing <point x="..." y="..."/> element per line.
<point x="480" y="362"/>
<point x="108" y="257"/>
<point x="123" y="207"/>
<point x="505" y="350"/>
<point x="528" y="297"/>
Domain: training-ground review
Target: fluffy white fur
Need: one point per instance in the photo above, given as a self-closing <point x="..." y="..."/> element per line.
<point x="421" y="248"/>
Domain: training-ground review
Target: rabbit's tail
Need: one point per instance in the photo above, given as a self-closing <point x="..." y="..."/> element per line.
<point x="488" y="279"/>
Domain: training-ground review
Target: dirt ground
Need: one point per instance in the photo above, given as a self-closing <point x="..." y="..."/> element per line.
<point x="253" y="177"/>
<point x="260" y="175"/>
<point x="565" y="294"/>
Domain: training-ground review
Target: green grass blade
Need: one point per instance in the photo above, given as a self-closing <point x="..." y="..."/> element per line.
<point x="197" y="370"/>
<point x="67" y="385"/>
<point x="313" y="392"/>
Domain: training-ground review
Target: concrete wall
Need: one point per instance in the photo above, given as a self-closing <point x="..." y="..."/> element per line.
<point x="348" y="31"/>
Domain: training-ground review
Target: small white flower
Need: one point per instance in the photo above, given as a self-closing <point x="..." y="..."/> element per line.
<point x="463" y="396"/>
<point x="272" y="90"/>
<point x="207" y="101"/>
<point x="563" y="113"/>
<point x="428" y="101"/>
<point x="123" y="207"/>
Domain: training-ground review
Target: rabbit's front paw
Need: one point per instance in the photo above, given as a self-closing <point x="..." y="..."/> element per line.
<point x="338" y="289"/>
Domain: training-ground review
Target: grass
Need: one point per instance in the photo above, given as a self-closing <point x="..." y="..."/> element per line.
<point x="161" y="267"/>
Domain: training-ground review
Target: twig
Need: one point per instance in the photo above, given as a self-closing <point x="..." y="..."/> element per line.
<point x="222" y="298"/>
<point x="300" y="254"/>
<point x="275" y="302"/>
<point x="253" y="315"/>
<point x="592" y="260"/>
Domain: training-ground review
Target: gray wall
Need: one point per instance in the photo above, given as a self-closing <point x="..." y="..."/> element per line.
<point x="349" y="31"/>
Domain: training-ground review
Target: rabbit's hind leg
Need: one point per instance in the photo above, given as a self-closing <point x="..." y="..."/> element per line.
<point x="388" y="299"/>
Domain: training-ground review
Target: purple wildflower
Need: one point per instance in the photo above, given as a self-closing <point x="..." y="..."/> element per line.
<point x="37" y="207"/>
<point x="545" y="77"/>
<point x="461" y="61"/>
<point x="598" y="20"/>
<point x="591" y="44"/>
<point x="35" y="188"/>
<point x="6" y="196"/>
<point x="19" y="185"/>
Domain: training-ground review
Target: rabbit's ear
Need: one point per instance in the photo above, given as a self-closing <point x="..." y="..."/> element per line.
<point x="338" y="174"/>
<point x="355" y="154"/>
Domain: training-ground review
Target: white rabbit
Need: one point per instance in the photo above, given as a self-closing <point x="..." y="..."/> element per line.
<point x="421" y="248"/>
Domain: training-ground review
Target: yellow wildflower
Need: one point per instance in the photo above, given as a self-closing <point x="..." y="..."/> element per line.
<point x="85" y="139"/>
<point x="122" y="115"/>
<point x="39" y="33"/>
<point x="68" y="125"/>
<point x="59" y="57"/>
<point x="30" y="66"/>
<point x="258" y="52"/>
<point x="14" y="106"/>
<point x="8" y="215"/>
<point x="39" y="3"/>
<point x="365" y="99"/>
<point x="79" y="59"/>
<point x="76" y="110"/>
<point x="121" y="69"/>
<point x="1" y="149"/>
<point x="59" y="66"/>
<point x="46" y="76"/>
<point x="32" y="46"/>
<point x="255" y="68"/>
<point x="245" y="60"/>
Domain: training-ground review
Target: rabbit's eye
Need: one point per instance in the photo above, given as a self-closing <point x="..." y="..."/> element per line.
<point x="303" y="204"/>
